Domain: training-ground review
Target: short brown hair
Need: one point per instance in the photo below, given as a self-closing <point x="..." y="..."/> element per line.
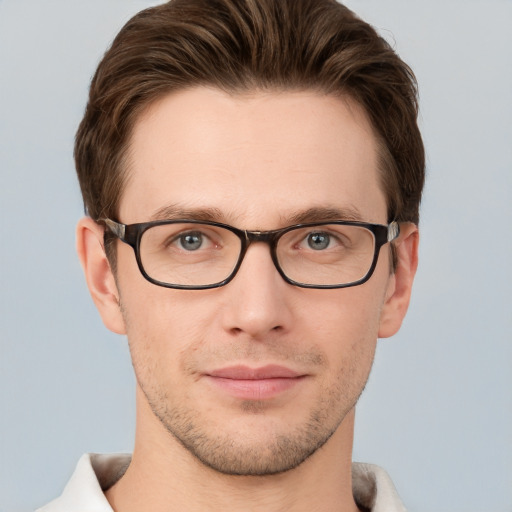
<point x="244" y="45"/>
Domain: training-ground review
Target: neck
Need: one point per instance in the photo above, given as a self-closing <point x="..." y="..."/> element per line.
<point x="164" y="476"/>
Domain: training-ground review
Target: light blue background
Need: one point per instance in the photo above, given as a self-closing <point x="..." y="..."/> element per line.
<point x="437" y="413"/>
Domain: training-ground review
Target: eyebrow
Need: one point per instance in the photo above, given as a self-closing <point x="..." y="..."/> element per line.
<point x="314" y="214"/>
<point x="323" y="214"/>
<point x="173" y="211"/>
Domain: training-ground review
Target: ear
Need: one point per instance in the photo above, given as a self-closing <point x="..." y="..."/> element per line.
<point x="400" y="283"/>
<point x="98" y="274"/>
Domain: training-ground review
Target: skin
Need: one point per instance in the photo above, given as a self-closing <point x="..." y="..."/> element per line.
<point x="256" y="161"/>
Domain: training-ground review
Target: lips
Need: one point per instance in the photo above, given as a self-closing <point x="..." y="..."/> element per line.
<point x="260" y="383"/>
<point x="246" y="373"/>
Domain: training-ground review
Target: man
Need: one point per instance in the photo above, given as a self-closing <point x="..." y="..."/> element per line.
<point x="252" y="172"/>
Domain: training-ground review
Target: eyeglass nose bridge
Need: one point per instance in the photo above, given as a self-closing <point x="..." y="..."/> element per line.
<point x="269" y="238"/>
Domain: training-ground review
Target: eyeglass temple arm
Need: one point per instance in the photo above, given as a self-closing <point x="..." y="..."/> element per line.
<point x="393" y="231"/>
<point x="115" y="227"/>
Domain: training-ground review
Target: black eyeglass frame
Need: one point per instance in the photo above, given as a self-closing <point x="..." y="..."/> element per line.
<point x="131" y="234"/>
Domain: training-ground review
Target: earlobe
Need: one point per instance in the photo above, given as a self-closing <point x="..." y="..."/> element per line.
<point x="400" y="284"/>
<point x="98" y="274"/>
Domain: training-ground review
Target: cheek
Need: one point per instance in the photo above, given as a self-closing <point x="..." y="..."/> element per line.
<point x="170" y="332"/>
<point x="156" y="317"/>
<point x="162" y="327"/>
<point x="346" y="325"/>
<point x="349" y="313"/>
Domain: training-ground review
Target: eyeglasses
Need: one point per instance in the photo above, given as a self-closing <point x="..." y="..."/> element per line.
<point x="196" y="255"/>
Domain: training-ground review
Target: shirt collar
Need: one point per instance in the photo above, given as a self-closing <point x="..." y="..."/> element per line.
<point x="373" y="489"/>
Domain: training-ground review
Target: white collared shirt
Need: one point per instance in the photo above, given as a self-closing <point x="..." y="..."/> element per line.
<point x="372" y="487"/>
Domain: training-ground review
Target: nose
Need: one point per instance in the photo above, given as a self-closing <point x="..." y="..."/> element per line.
<point x="258" y="297"/>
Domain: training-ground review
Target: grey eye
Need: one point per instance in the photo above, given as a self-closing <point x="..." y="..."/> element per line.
<point x="191" y="241"/>
<point x="319" y="241"/>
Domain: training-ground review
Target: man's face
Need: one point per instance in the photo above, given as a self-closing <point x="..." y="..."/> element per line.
<point x="255" y="376"/>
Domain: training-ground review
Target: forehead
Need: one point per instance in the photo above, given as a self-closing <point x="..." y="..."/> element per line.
<point x="256" y="159"/>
